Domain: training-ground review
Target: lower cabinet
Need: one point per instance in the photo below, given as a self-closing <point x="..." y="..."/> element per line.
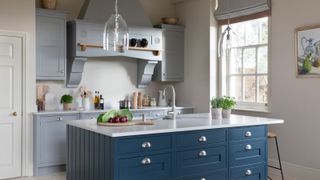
<point x="50" y="143"/>
<point x="192" y="155"/>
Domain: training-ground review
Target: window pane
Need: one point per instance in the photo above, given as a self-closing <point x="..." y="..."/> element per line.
<point x="263" y="59"/>
<point x="249" y="89"/>
<point x="235" y="87"/>
<point x="249" y="60"/>
<point x="264" y="30"/>
<point x="239" y="29"/>
<point x="263" y="89"/>
<point x="236" y="61"/>
<point x="252" y="32"/>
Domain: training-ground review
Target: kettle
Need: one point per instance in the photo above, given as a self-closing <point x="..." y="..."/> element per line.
<point x="162" y="99"/>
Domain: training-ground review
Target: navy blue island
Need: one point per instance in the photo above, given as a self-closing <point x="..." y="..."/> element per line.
<point x="193" y="147"/>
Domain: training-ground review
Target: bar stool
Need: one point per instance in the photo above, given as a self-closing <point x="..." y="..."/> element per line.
<point x="274" y="136"/>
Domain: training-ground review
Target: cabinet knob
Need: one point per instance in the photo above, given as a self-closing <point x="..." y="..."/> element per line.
<point x="146" y="161"/>
<point x="203" y="153"/>
<point x="248" y="147"/>
<point x="59" y="118"/>
<point x="248" y="172"/>
<point x="203" y="179"/>
<point x="248" y="134"/>
<point x="202" y="139"/>
<point x="146" y="145"/>
<point x="14" y="114"/>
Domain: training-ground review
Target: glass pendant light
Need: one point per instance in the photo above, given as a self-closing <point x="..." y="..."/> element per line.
<point x="225" y="40"/>
<point x="116" y="35"/>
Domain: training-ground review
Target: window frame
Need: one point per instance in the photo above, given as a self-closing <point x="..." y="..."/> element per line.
<point x="247" y="106"/>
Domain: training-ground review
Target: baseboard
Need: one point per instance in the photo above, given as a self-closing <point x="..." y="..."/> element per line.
<point x="293" y="171"/>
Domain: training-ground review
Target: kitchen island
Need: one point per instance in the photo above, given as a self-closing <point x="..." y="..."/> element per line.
<point x="194" y="147"/>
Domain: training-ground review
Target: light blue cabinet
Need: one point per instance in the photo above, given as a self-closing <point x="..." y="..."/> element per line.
<point x="171" y="68"/>
<point x="50" y="142"/>
<point x="215" y="154"/>
<point x="50" y="44"/>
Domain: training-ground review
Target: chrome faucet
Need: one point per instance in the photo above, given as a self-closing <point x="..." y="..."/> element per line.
<point x="173" y="110"/>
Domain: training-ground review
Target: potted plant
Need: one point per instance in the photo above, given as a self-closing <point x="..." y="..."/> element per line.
<point x="216" y="107"/>
<point x="227" y="105"/>
<point x="66" y="100"/>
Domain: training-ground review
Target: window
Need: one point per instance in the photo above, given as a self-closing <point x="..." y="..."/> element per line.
<point x="244" y="65"/>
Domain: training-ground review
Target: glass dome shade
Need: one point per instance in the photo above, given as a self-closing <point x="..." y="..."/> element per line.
<point x="116" y="36"/>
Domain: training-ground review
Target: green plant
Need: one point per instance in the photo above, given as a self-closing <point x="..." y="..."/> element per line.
<point x="216" y="102"/>
<point x="228" y="102"/>
<point x="66" y="99"/>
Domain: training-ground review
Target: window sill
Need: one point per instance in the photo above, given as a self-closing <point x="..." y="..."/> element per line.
<point x="255" y="110"/>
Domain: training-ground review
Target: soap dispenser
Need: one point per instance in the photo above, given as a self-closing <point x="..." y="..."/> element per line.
<point x="162" y="99"/>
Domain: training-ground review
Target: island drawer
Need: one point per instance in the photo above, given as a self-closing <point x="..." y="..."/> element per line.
<point x="153" y="167"/>
<point x="204" y="137"/>
<point x="201" y="160"/>
<point x="217" y="175"/>
<point x="247" y="152"/>
<point x="244" y="133"/>
<point x="140" y="144"/>
<point x="252" y="172"/>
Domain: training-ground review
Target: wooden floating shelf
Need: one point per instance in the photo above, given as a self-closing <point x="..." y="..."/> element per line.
<point x="84" y="46"/>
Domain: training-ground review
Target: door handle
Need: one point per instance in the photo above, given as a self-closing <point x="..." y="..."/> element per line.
<point x="14" y="114"/>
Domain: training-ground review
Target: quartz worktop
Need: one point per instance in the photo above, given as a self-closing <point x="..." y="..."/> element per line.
<point x="188" y="122"/>
<point x="105" y="110"/>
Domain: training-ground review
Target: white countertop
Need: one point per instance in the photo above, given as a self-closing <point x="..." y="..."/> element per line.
<point x="105" y="110"/>
<point x="188" y="122"/>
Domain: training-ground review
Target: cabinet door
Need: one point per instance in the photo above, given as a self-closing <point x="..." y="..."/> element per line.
<point x="53" y="139"/>
<point x="51" y="53"/>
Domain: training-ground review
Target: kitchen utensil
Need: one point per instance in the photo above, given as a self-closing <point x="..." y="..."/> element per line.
<point x="169" y="20"/>
<point x="135" y="100"/>
<point x="162" y="99"/>
<point x="140" y="104"/>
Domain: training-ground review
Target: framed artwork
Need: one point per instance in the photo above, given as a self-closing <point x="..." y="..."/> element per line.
<point x="307" y="47"/>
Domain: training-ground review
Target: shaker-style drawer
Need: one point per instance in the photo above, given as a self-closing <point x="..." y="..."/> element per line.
<point x="244" y="133"/>
<point x="59" y="117"/>
<point x="201" y="160"/>
<point x="249" y="173"/>
<point x="138" y="144"/>
<point x="247" y="152"/>
<point x="153" y="167"/>
<point x="89" y="115"/>
<point x="204" y="137"/>
<point x="217" y="175"/>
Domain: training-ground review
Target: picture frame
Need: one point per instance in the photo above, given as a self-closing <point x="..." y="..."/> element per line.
<point x="307" y="51"/>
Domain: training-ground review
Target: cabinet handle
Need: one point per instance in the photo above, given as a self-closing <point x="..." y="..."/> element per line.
<point x="248" y="147"/>
<point x="203" y="179"/>
<point x="146" y="145"/>
<point x="202" y="139"/>
<point x="248" y="134"/>
<point x="248" y="172"/>
<point x="203" y="153"/>
<point x="146" y="161"/>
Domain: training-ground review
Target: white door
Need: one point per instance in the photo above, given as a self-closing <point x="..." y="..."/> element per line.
<point x="10" y="106"/>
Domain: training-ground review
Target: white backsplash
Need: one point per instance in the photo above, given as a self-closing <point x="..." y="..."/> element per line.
<point x="115" y="79"/>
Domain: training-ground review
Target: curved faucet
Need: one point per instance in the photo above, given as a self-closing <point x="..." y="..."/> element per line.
<point x="173" y="110"/>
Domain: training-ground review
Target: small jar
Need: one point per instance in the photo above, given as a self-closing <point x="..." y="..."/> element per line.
<point x="153" y="102"/>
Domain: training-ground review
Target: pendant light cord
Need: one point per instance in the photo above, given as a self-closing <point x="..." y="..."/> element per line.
<point x="116" y="7"/>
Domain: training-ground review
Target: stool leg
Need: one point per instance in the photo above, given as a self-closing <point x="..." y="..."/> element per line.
<point x="278" y="152"/>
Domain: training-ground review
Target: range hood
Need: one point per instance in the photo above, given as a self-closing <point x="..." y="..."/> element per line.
<point x="85" y="37"/>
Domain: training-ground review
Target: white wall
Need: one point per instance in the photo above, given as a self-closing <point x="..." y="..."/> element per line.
<point x="19" y="15"/>
<point x="195" y="90"/>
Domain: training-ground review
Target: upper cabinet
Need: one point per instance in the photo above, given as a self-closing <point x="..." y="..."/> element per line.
<point x="50" y="44"/>
<point x="171" y="68"/>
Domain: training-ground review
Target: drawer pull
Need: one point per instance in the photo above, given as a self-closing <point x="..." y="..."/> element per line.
<point x="59" y="119"/>
<point x="248" y="147"/>
<point x="146" y="161"/>
<point x="248" y="172"/>
<point x="146" y="145"/>
<point x="202" y="139"/>
<point x="203" y="153"/>
<point x="203" y="179"/>
<point x="248" y="134"/>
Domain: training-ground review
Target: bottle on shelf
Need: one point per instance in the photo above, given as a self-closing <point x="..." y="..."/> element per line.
<point x="101" y="102"/>
<point x="135" y="100"/>
<point x="97" y="100"/>
<point x="140" y="103"/>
